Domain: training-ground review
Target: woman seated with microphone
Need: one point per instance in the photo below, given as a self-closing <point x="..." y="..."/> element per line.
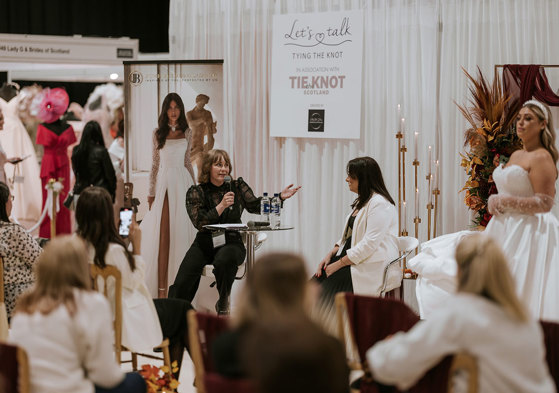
<point x="216" y="201"/>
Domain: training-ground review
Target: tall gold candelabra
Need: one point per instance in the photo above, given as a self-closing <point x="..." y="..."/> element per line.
<point x="436" y="194"/>
<point x="416" y="219"/>
<point x="429" y="206"/>
<point x="401" y="177"/>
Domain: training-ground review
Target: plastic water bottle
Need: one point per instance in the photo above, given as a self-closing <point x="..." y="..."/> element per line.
<point x="265" y="208"/>
<point x="275" y="212"/>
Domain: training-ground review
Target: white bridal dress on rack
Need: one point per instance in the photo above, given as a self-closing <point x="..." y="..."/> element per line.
<point x="529" y="241"/>
<point x="173" y="178"/>
<point x="27" y="186"/>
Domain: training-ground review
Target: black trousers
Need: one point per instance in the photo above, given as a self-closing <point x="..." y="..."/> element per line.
<point x="225" y="259"/>
<point x="174" y="326"/>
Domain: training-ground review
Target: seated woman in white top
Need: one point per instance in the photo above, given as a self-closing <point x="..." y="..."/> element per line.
<point x="65" y="328"/>
<point x="144" y="321"/>
<point x="485" y="319"/>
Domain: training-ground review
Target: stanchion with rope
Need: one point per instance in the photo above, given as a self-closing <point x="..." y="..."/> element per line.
<point x="53" y="192"/>
<point x="51" y="208"/>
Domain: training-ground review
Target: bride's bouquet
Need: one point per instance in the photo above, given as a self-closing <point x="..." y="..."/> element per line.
<point x="488" y="143"/>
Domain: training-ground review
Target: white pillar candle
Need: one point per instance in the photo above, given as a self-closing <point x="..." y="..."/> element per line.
<point x="405" y="216"/>
<point x="416" y="202"/>
<point x="429" y="159"/>
<point x="399" y="110"/>
<point x="403" y="129"/>
<point x="415" y="137"/>
<point x="437" y="175"/>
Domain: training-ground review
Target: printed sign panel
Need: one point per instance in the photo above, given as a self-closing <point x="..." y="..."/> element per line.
<point x="316" y="75"/>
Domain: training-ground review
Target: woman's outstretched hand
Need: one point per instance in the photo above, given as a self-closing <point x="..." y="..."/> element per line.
<point x="288" y="192"/>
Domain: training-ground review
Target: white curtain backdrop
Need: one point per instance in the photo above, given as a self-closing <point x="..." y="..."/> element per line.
<point x="413" y="51"/>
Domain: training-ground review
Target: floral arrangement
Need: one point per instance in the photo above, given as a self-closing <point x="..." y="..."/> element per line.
<point x="160" y="379"/>
<point x="488" y="143"/>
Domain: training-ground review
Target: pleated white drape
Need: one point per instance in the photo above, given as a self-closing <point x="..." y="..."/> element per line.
<point x="413" y="51"/>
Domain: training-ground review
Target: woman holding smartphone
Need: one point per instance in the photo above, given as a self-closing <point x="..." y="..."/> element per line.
<point x="144" y="321"/>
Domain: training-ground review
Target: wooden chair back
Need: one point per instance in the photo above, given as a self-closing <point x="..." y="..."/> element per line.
<point x="111" y="272"/>
<point x="105" y="274"/>
<point x="465" y="365"/>
<point x="14" y="369"/>
<point x="365" y="320"/>
<point x="203" y="328"/>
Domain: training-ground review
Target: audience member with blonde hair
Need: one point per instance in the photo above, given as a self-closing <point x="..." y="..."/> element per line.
<point x="276" y="293"/>
<point x="485" y="319"/>
<point x="65" y="328"/>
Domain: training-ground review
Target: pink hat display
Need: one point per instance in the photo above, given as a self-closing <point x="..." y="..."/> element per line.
<point x="54" y="104"/>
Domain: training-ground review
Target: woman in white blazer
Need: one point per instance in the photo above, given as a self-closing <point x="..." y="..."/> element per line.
<point x="368" y="242"/>
<point x="145" y="321"/>
<point x="485" y="318"/>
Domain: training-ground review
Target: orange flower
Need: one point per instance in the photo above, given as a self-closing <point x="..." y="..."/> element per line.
<point x="474" y="202"/>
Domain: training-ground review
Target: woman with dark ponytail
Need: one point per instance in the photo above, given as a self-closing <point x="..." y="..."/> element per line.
<point x="91" y="162"/>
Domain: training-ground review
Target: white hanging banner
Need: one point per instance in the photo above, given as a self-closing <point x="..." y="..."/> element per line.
<point x="316" y="75"/>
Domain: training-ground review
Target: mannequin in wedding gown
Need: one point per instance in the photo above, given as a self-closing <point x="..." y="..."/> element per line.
<point x="16" y="142"/>
<point x="522" y="224"/>
<point x="167" y="229"/>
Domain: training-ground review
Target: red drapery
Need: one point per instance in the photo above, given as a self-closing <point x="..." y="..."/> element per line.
<point x="524" y="81"/>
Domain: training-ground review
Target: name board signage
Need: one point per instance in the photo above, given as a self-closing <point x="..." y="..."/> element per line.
<point x="60" y="49"/>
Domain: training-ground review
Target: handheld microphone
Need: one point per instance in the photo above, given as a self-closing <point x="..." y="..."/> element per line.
<point x="254" y="224"/>
<point x="227" y="180"/>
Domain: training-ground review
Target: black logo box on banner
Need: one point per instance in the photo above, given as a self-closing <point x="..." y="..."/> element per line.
<point x="316" y="120"/>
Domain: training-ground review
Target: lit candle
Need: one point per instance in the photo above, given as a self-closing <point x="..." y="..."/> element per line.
<point x="429" y="160"/>
<point x="417" y="202"/>
<point x="403" y="129"/>
<point x="399" y="116"/>
<point x="404" y="215"/>
<point x="415" y="137"/>
<point x="430" y="187"/>
<point x="437" y="175"/>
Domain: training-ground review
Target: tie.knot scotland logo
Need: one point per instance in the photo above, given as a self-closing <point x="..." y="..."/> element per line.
<point x="316" y="120"/>
<point x="135" y="77"/>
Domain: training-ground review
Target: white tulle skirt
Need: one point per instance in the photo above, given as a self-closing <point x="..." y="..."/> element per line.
<point x="531" y="244"/>
<point x="174" y="181"/>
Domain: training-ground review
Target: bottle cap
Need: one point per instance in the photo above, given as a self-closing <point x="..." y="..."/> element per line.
<point x="265" y="194"/>
<point x="276" y="194"/>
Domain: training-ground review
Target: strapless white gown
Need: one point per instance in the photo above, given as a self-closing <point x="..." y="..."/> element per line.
<point x="174" y="179"/>
<point x="530" y="242"/>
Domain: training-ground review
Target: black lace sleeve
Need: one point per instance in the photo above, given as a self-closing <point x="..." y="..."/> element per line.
<point x="249" y="201"/>
<point x="198" y="208"/>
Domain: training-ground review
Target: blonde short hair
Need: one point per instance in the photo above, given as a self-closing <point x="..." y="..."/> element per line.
<point x="483" y="271"/>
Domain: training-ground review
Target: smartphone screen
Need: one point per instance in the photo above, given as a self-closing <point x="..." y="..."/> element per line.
<point x="125" y="221"/>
